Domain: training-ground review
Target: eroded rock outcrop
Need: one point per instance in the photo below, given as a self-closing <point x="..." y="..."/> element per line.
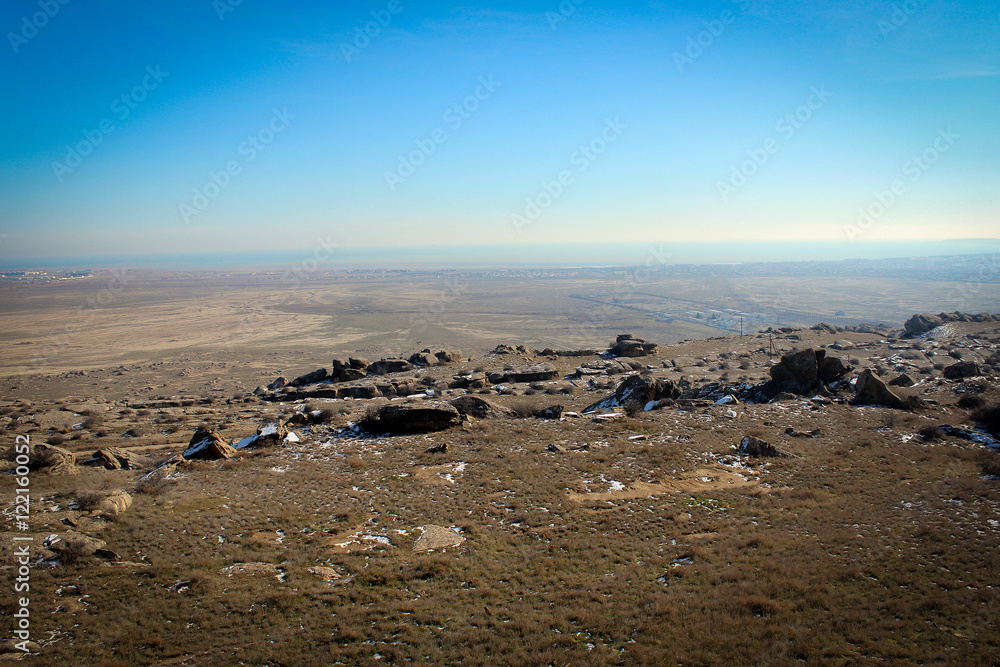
<point x="412" y="418"/>
<point x="635" y="392"/>
<point x="208" y="445"/>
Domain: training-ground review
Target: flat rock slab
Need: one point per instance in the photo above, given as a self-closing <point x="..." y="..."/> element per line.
<point x="437" y="537"/>
<point x="331" y="575"/>
<point x="251" y="569"/>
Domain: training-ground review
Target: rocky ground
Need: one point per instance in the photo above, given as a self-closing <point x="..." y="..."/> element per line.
<point x="821" y="495"/>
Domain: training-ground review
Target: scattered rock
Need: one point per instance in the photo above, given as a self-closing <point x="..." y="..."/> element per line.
<point x="903" y="380"/>
<point x="208" y="445"/>
<point x="277" y="384"/>
<point x="47" y="459"/>
<point x="270" y="434"/>
<point x="449" y="356"/>
<point x="804" y="372"/>
<point x="437" y="449"/>
<point x="871" y="390"/>
<point x="921" y="323"/>
<point x="317" y="375"/>
<point x="635" y="392"/>
<point x="387" y="366"/>
<point x="481" y="408"/>
<point x="551" y="412"/>
<point x="114" y="458"/>
<point x="71" y="545"/>
<point x="331" y="575"/>
<point x="525" y="374"/>
<point x="510" y="349"/>
<point x="628" y="346"/>
<point x="962" y="370"/>
<point x="437" y="537"/>
<point x="251" y="569"/>
<point x="111" y="504"/>
<point x="425" y="358"/>
<point x="412" y="418"/>
<point x="751" y="446"/>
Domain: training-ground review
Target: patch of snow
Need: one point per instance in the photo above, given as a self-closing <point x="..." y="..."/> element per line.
<point x="245" y="442"/>
<point x="649" y="406"/>
<point x="269" y="429"/>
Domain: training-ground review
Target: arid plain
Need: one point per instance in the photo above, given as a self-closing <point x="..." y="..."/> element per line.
<point x="631" y="533"/>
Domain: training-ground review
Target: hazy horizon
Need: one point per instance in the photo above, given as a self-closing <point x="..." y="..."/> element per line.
<point x="325" y="256"/>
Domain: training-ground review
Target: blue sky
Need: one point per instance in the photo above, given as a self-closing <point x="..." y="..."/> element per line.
<point x="172" y="126"/>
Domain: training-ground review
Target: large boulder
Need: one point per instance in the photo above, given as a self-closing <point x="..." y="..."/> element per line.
<point x="831" y="369"/>
<point x="635" y="392"/>
<point x="797" y="372"/>
<point x="359" y="392"/>
<point x="317" y="375"/>
<point x="387" y="366"/>
<point x="425" y="358"/>
<point x="437" y="537"/>
<point x="752" y="446"/>
<point x="962" y="370"/>
<point x="115" y="458"/>
<point x="268" y="435"/>
<point x="871" y="390"/>
<point x="71" y="545"/>
<point x="109" y="504"/>
<point x="396" y="419"/>
<point x="921" y="323"/>
<point x="449" y="356"/>
<point x="208" y="445"/>
<point x="525" y="374"/>
<point x="480" y="408"/>
<point x="628" y="346"/>
<point x="804" y="371"/>
<point x="47" y="459"/>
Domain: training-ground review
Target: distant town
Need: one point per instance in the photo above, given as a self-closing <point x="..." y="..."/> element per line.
<point x="43" y="276"/>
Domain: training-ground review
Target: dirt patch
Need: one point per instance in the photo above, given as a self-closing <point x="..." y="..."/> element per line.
<point x="702" y="480"/>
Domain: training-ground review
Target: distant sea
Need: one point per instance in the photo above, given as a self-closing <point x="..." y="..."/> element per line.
<point x="521" y="256"/>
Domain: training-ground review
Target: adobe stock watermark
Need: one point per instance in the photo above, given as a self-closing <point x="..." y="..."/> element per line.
<point x="987" y="273"/>
<point x="581" y="159"/>
<point x="432" y="312"/>
<point x="454" y="117"/>
<point x="363" y="35"/>
<point x="223" y="7"/>
<point x="901" y="15"/>
<point x="323" y="252"/>
<point x="248" y="151"/>
<point x="597" y="318"/>
<point x="566" y="9"/>
<point x="30" y="25"/>
<point x="740" y="174"/>
<point x="701" y="42"/>
<point x="121" y="107"/>
<point x="22" y="543"/>
<point x="913" y="170"/>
